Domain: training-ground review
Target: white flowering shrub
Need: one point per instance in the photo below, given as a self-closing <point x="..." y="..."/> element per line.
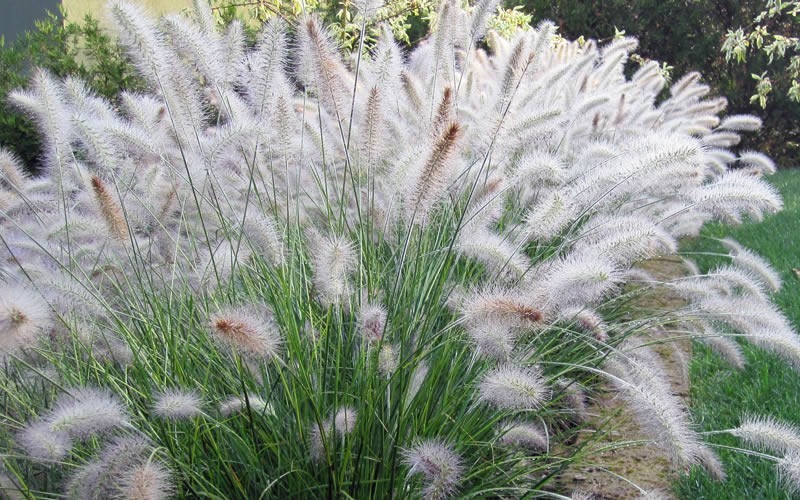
<point x="289" y="272"/>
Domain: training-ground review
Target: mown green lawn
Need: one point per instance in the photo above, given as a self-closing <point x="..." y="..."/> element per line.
<point x="720" y="395"/>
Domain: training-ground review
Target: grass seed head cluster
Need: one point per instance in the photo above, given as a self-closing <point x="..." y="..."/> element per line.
<point x="287" y="271"/>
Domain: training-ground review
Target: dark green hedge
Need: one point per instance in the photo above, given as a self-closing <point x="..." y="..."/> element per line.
<point x="688" y="35"/>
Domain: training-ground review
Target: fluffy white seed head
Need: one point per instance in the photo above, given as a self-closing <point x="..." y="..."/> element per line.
<point x="250" y="331"/>
<point x="85" y="412"/>
<point x="512" y="387"/>
<point x="371" y="322"/>
<point x="177" y="404"/>
<point x="345" y="420"/>
<point x="758" y="163"/>
<point x="741" y="123"/>
<point x="768" y="434"/>
<point x="334" y="259"/>
<point x="24" y="315"/>
<point x="525" y="435"/>
<point x="440" y="466"/>
<point x="41" y="443"/>
<point x="789" y="471"/>
<point x="237" y="404"/>
<point x="387" y="360"/>
<point x="149" y="480"/>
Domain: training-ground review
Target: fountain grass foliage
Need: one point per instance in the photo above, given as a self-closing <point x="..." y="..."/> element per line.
<point x="284" y="271"/>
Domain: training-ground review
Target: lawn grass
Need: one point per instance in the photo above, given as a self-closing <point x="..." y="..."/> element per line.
<point x="720" y="395"/>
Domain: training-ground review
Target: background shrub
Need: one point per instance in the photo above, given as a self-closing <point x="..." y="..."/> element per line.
<point x="688" y="35"/>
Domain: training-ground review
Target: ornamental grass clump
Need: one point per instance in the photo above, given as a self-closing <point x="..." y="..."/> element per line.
<point x="284" y="271"/>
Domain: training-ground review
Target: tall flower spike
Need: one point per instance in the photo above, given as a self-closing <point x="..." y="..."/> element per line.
<point x="512" y="387"/>
<point x="86" y="411"/>
<point x="110" y="209"/>
<point x="176" y="404"/>
<point x="432" y="179"/>
<point x="248" y="331"/>
<point x="440" y="466"/>
<point x="525" y="435"/>
<point x="41" y="443"/>
<point x="24" y="315"/>
<point x="237" y="404"/>
<point x="769" y="434"/>
<point x="371" y="322"/>
<point x="789" y="471"/>
<point x="150" y="480"/>
<point x="334" y="258"/>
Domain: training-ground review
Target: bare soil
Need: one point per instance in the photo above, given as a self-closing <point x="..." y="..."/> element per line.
<point x="622" y="472"/>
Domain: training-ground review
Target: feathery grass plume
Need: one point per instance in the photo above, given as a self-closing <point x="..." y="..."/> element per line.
<point x="736" y="193"/>
<point x="762" y="269"/>
<point x="110" y="474"/>
<point x="481" y="12"/>
<point x="721" y="139"/>
<point x="248" y="330"/>
<point x="387" y="360"/>
<point x="86" y="411"/>
<point x="726" y="347"/>
<point x="525" y="435"/>
<point x="741" y="123"/>
<point x="372" y="322"/>
<point x="711" y="463"/>
<point x="46" y="104"/>
<point x="588" y="320"/>
<point x="492" y="340"/>
<point x="41" y="443"/>
<point x="625" y="239"/>
<point x="344" y="422"/>
<point x="768" y="434"/>
<point x="333" y="258"/>
<point x="150" y="480"/>
<point x="660" y="414"/>
<point x="439" y="464"/>
<point x="177" y="404"/>
<point x="431" y="181"/>
<point x="321" y="70"/>
<point x="735" y="279"/>
<point x="237" y="404"/>
<point x="789" y="472"/>
<point x="267" y="63"/>
<point x="549" y="216"/>
<point x="12" y="176"/>
<point x="757" y="163"/>
<point x="579" y="279"/>
<point x="499" y="304"/>
<point x="444" y="113"/>
<point x="785" y="343"/>
<point x="264" y="236"/>
<point x="496" y="253"/>
<point x="24" y="315"/>
<point x="110" y="209"/>
<point x="510" y="387"/>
